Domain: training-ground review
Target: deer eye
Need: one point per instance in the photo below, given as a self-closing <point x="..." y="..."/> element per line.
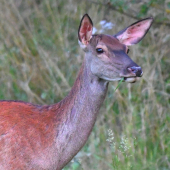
<point x="99" y="50"/>
<point x="128" y="51"/>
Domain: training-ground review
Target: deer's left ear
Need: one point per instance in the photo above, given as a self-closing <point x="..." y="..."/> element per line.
<point x="85" y="30"/>
<point x="135" y="32"/>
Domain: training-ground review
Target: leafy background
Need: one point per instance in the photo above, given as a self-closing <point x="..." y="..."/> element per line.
<point x="40" y="58"/>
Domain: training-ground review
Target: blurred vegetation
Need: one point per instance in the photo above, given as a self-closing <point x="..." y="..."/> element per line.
<point x="40" y="58"/>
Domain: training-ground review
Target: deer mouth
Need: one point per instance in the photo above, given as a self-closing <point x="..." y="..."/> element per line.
<point x="131" y="79"/>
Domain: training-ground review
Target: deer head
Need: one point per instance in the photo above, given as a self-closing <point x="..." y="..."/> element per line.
<point x="108" y="54"/>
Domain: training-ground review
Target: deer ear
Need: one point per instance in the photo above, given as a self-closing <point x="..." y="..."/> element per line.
<point x="135" y="32"/>
<point x="85" y="30"/>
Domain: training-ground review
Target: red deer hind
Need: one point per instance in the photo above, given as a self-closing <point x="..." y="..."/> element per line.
<point x="34" y="137"/>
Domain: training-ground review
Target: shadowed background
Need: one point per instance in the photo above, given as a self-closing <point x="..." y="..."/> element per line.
<point x="40" y="58"/>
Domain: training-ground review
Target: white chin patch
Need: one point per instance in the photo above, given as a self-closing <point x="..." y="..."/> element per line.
<point x="126" y="79"/>
<point x="131" y="79"/>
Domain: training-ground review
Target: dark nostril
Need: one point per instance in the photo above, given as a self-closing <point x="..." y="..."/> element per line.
<point x="136" y="70"/>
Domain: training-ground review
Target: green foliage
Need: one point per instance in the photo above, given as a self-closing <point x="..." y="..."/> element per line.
<point x="139" y="9"/>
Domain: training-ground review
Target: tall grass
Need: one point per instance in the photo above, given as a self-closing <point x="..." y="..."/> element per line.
<point x="39" y="61"/>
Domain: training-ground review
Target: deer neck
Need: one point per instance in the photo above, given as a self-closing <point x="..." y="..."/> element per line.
<point x="80" y="110"/>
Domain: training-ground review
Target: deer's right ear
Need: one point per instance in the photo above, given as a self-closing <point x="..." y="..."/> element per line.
<point x="85" y="30"/>
<point x="135" y="32"/>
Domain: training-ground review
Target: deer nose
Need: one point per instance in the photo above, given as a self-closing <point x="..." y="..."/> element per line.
<point x="136" y="70"/>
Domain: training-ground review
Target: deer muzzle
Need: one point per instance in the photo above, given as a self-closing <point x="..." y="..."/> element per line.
<point x="136" y="70"/>
<point x="133" y="74"/>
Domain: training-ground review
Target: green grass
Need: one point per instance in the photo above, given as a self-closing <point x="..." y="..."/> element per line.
<point x="39" y="61"/>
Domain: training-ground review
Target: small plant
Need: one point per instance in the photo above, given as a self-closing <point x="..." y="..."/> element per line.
<point x="120" y="149"/>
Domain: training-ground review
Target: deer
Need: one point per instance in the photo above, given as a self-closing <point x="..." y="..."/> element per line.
<point x="47" y="137"/>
